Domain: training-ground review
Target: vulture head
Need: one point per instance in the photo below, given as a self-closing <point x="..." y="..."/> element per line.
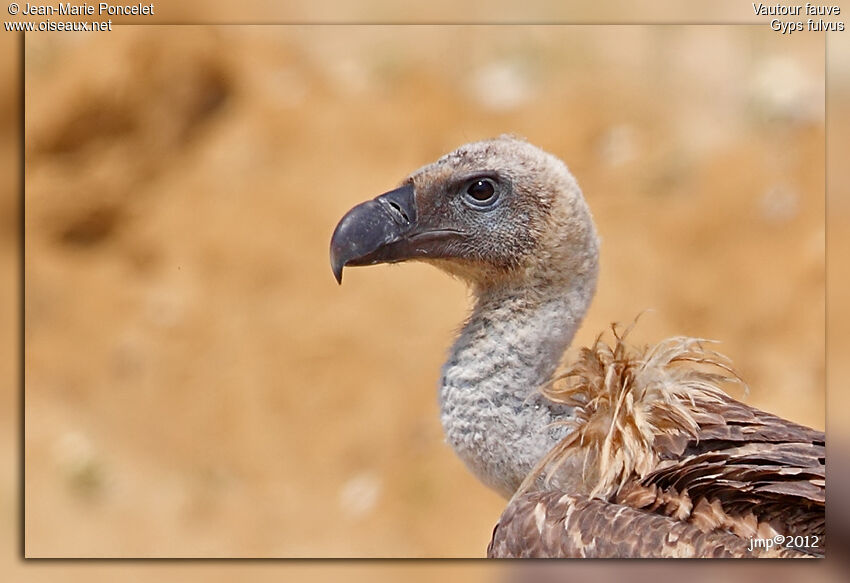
<point x="498" y="212"/>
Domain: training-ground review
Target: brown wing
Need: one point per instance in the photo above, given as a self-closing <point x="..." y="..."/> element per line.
<point x="662" y="462"/>
<point x="554" y="525"/>
<point x="748" y="472"/>
<point x="747" y="475"/>
<point x="730" y="422"/>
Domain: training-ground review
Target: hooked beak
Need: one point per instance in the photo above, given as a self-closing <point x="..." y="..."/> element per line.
<point x="385" y="229"/>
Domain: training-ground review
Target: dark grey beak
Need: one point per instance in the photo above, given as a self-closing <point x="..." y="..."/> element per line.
<point x="375" y="231"/>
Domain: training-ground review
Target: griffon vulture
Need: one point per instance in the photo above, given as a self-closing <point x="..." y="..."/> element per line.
<point x="630" y="452"/>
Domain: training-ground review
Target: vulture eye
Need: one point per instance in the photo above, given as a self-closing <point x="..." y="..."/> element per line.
<point x="481" y="192"/>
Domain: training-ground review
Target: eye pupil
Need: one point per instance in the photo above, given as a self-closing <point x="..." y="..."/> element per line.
<point x="481" y="190"/>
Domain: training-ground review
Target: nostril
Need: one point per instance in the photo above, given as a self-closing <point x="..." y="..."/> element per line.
<point x="399" y="210"/>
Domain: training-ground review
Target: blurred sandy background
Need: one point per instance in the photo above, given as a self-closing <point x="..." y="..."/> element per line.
<point x="196" y="383"/>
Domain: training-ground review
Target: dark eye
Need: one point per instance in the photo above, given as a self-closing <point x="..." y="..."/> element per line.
<point x="481" y="191"/>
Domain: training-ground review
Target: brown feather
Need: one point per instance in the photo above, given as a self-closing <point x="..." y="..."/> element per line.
<point x="550" y="524"/>
<point x="660" y="445"/>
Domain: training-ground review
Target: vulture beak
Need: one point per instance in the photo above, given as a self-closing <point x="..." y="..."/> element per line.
<point x="376" y="231"/>
<point x="385" y="229"/>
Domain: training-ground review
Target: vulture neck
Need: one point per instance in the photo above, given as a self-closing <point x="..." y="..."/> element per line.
<point x="492" y="412"/>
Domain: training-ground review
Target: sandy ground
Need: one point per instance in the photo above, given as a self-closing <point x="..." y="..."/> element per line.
<point x="196" y="382"/>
